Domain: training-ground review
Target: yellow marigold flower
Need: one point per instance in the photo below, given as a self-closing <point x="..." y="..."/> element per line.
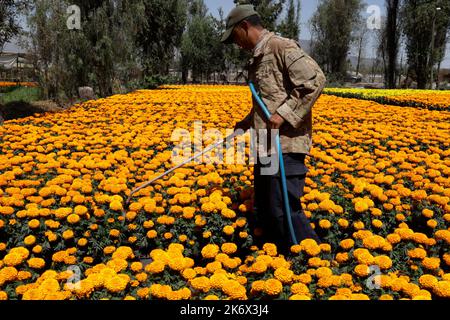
<point x="447" y="258"/>
<point x="270" y="249"/>
<point x="325" y="247"/>
<point x="168" y="235"/>
<point x="82" y="242"/>
<point x="373" y="242"/>
<point x="24" y="275"/>
<point x="296" y="249"/>
<point x="384" y="262"/>
<point x="148" y="224"/>
<point x="80" y="210"/>
<point x="347" y="244"/>
<point x="116" y="284"/>
<point x="68" y="234"/>
<point x="342" y="257"/>
<point x="13" y="259"/>
<point x="442" y="289"/>
<point x="393" y="238"/>
<point x="273" y="287"/>
<point x="88" y="260"/>
<point x="152" y="234"/>
<point x="377" y="223"/>
<point x="136" y="267"/>
<point x="310" y="246"/>
<point x="432" y="223"/>
<point x="258" y="285"/>
<point x="115" y="205"/>
<point x="325" y="224"/>
<point x="259" y="267"/>
<point x="323" y="272"/>
<point x="201" y="283"/>
<point x="228" y="213"/>
<point x="343" y="223"/>
<point x="30" y="240"/>
<point x="300" y="289"/>
<point x="33" y="224"/>
<point x="234" y="290"/>
<point x="189" y="273"/>
<point x="188" y="212"/>
<point x="417" y="253"/>
<point x="210" y="251"/>
<point x="362" y="270"/>
<point x="155" y="267"/>
<point x="114" y="233"/>
<point x="361" y="206"/>
<point x="229" y="248"/>
<point x="358" y="225"/>
<point x="228" y="230"/>
<point x="299" y="297"/>
<point x="443" y="235"/>
<point x="431" y="263"/>
<point x="208" y="207"/>
<point x="36" y="263"/>
<point x="207" y="234"/>
<point x="284" y="275"/>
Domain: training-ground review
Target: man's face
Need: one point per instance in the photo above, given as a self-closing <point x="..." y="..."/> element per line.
<point x="241" y="38"/>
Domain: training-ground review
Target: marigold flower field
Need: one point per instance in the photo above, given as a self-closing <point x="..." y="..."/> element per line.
<point x="377" y="194"/>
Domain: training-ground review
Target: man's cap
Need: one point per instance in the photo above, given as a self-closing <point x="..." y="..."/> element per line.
<point x="236" y="15"/>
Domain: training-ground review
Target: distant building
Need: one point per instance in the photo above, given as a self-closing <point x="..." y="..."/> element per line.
<point x="15" y="66"/>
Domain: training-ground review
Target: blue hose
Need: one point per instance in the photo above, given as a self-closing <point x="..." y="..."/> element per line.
<point x="281" y="160"/>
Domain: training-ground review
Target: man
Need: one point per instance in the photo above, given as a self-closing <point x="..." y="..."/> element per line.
<point x="289" y="82"/>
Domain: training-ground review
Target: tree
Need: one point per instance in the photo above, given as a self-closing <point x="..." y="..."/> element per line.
<point x="290" y="26"/>
<point x="9" y="24"/>
<point x="269" y="10"/>
<point x="392" y="37"/>
<point x="200" y="42"/>
<point x="422" y="24"/>
<point x="332" y="26"/>
<point x="360" y="42"/>
<point x="101" y="55"/>
<point x="160" y="33"/>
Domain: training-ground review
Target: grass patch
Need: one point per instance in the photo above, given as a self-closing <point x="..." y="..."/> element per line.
<point x="24" y="94"/>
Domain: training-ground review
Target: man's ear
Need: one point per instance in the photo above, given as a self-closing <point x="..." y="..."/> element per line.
<point x="245" y="25"/>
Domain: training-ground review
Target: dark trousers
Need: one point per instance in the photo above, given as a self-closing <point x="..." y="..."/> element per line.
<point x="269" y="204"/>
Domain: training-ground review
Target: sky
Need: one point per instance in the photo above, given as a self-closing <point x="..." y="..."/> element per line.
<point x="308" y="8"/>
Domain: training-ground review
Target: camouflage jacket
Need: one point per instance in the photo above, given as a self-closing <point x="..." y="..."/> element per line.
<point x="289" y="82"/>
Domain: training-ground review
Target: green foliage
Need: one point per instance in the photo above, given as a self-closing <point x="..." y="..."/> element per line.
<point x="269" y="10"/>
<point x="290" y="26"/>
<point x="21" y="94"/>
<point x="159" y="33"/>
<point x="9" y="22"/>
<point x="201" y="49"/>
<point x="99" y="55"/>
<point x="332" y="26"/>
<point x="418" y="17"/>
<point x="155" y="81"/>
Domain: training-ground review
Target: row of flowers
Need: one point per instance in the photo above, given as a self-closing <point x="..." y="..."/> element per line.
<point x="377" y="194"/>
<point x="17" y="84"/>
<point x="428" y="99"/>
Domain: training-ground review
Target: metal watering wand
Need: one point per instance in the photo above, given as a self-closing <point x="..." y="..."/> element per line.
<point x="209" y="148"/>
<point x="281" y="160"/>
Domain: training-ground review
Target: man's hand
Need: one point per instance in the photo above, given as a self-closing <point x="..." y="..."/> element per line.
<point x="276" y="121"/>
